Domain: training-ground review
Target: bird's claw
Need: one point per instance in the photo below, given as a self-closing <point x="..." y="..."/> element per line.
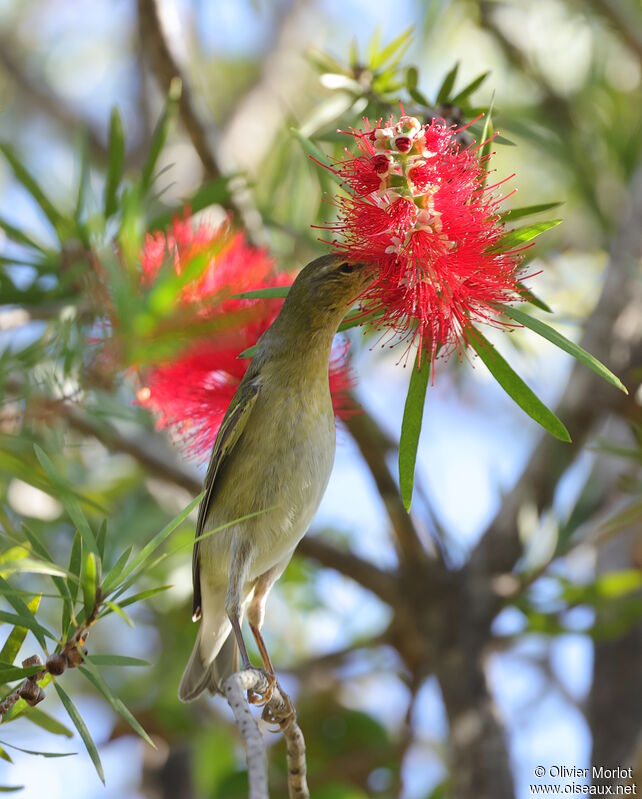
<point x="261" y="699"/>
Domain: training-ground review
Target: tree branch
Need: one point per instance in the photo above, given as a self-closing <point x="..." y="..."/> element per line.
<point x="381" y="583"/>
<point x="54" y="107"/>
<point x="278" y="710"/>
<point x="373" y="447"/>
<point x="165" y="67"/>
<point x="612" y="335"/>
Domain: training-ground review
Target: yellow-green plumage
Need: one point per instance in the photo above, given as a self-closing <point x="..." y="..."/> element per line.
<point x="273" y="455"/>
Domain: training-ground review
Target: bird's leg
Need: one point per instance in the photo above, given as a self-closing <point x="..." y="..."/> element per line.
<point x="255" y="615"/>
<point x="239" y="563"/>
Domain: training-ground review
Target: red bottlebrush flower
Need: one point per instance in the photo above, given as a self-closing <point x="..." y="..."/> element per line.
<point x="430" y="227"/>
<point x="191" y="392"/>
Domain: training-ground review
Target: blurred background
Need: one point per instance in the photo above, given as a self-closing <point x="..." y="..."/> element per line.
<point x="443" y="654"/>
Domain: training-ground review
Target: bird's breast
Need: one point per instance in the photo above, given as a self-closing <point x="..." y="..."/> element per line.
<point x="279" y="468"/>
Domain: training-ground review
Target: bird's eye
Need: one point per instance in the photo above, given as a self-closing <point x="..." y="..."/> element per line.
<point x="346" y="269"/>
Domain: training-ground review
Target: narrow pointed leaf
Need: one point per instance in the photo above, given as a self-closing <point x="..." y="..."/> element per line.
<point x="316" y="155"/>
<point x="71" y="504"/>
<point x="20" y="620"/>
<point x="161" y="132"/>
<point x="83" y="178"/>
<point x="533" y="299"/>
<point x="9" y="673"/>
<point x="393" y="50"/>
<point x="35" y="752"/>
<point x="91" y="673"/>
<point x="84" y="733"/>
<point x="114" y="575"/>
<point x="20" y="237"/>
<point x="31" y="185"/>
<point x="514" y="238"/>
<point x="515" y="387"/>
<point x="552" y="335"/>
<point x="465" y="93"/>
<point x="411" y="428"/>
<point x="17" y="636"/>
<point x="23" y="610"/>
<point x="150" y="592"/>
<point x="148" y="550"/>
<point x="527" y="210"/>
<point x="89" y="583"/>
<point x="446" y="87"/>
<point x="46" y="722"/>
<point x="116" y="163"/>
<point x="274" y="292"/>
<point x="119" y="612"/>
<point x="116" y="660"/>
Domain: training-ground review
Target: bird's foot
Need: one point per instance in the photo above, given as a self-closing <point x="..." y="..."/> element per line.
<point x="261" y="699"/>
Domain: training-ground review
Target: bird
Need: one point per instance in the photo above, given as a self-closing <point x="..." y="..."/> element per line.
<point x="268" y="471"/>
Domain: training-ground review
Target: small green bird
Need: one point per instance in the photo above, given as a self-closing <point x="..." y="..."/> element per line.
<point x="272" y="457"/>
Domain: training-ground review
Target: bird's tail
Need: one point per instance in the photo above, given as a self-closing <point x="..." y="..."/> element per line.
<point x="213" y="658"/>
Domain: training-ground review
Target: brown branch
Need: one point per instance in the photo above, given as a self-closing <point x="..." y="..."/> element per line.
<point x="165" y="67"/>
<point x="610" y="335"/>
<point x="277" y="710"/>
<point x="381" y="583"/>
<point x="374" y="447"/>
<point x="626" y="28"/>
<point x="71" y="655"/>
<point x="53" y="107"/>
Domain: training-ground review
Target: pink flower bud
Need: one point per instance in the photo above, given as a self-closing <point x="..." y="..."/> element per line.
<point x="403" y="143"/>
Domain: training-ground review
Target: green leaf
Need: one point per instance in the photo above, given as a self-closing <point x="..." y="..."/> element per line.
<point x="116" y="163"/>
<point x="35" y="752"/>
<point x="84" y="733"/>
<point x="116" y="660"/>
<point x="71" y="504"/>
<point x="521" y="235"/>
<point x="91" y="673"/>
<point x="31" y="185"/>
<point x="83" y="178"/>
<point x="393" y="50"/>
<point x="161" y="132"/>
<point x="515" y="387"/>
<point x="9" y="673"/>
<point x="17" y="636"/>
<point x="101" y="539"/>
<point x="24" y="611"/>
<point x="273" y="292"/>
<point x="113" y="576"/>
<point x="73" y="583"/>
<point x="20" y="237"/>
<point x="148" y="550"/>
<point x="5" y="755"/>
<point x="317" y="155"/>
<point x="552" y="335"/>
<point x="465" y="93"/>
<point x="139" y="597"/>
<point x="90" y="583"/>
<point x="411" y="427"/>
<point x="447" y="86"/>
<point x="486" y="138"/>
<point x="527" y="210"/>
<point x="533" y="299"/>
<point x="10" y="788"/>
<point x="46" y="722"/>
<point x="20" y="620"/>
<point x="119" y="612"/>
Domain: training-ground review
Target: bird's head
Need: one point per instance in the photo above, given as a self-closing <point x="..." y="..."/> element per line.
<point x="324" y="290"/>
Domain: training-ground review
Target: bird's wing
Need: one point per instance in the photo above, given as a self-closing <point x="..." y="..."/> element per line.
<point x="229" y="433"/>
